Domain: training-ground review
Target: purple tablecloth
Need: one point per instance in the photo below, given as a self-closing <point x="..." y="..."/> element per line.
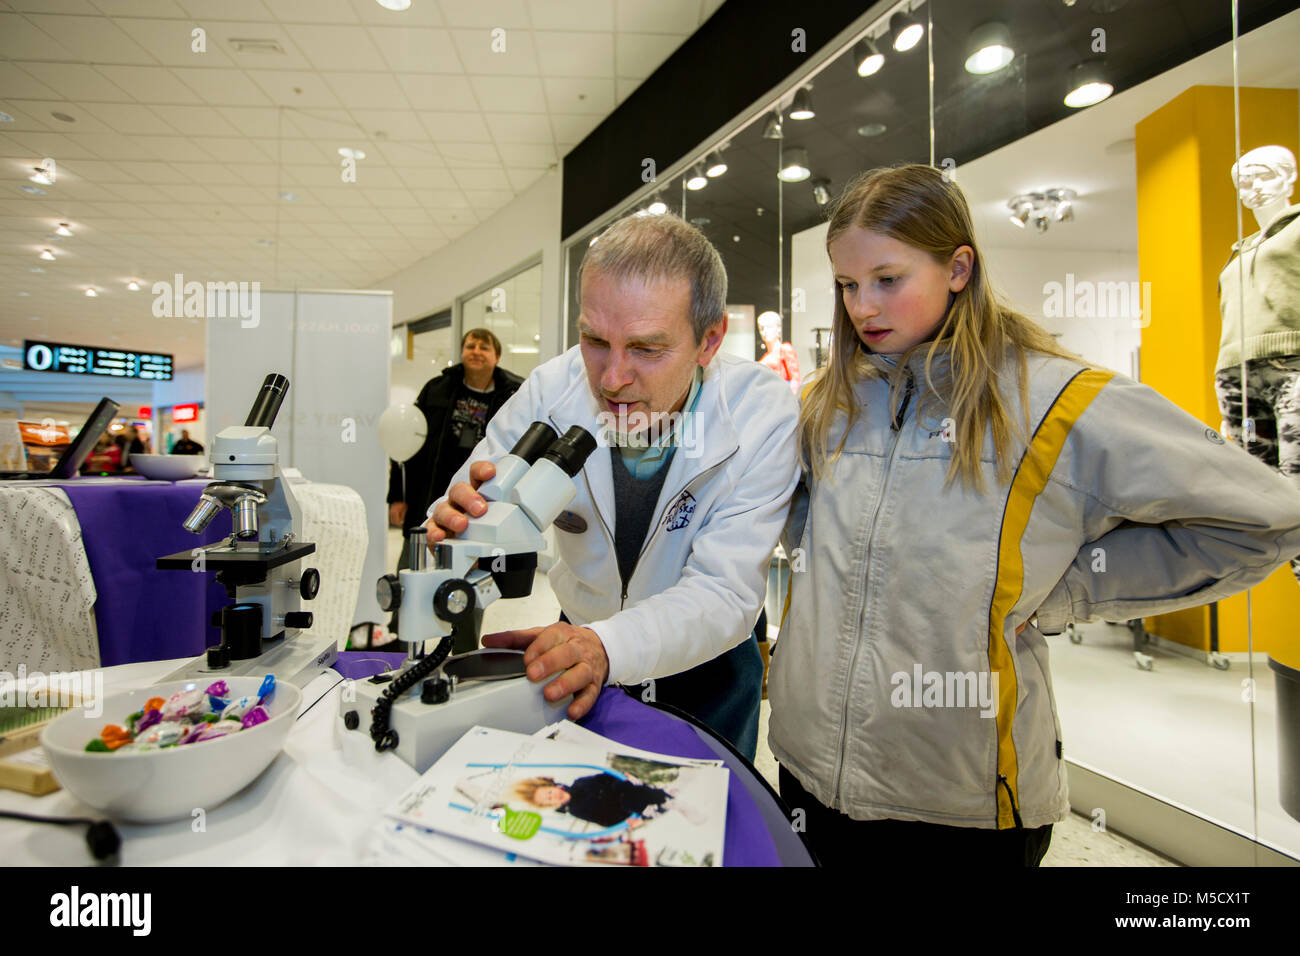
<point x="620" y="717"/>
<point x="144" y="614"/>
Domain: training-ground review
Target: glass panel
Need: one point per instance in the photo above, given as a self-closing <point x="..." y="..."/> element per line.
<point x="511" y="310"/>
<point x="430" y="352"/>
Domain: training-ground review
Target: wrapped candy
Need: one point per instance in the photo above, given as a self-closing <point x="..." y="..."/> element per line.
<point x="218" y="689"/>
<point x="267" y="689"/>
<point x="150" y="718"/>
<point x="238" y="707"/>
<point x="185" y="703"/>
<point x="212" y="731"/>
<point x="165" y="734"/>
<point x="257" y="715"/>
<point x="154" y="703"/>
<point x="115" y="736"/>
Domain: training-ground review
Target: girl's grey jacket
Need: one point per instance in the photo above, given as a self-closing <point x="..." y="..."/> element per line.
<point x="899" y="686"/>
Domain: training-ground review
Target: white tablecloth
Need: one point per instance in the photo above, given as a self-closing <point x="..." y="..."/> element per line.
<point x="313" y="806"/>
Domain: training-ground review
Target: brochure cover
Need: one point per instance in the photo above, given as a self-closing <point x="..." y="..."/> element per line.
<point x="572" y="804"/>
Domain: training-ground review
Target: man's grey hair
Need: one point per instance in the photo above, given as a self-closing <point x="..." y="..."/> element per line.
<point x="660" y="247"/>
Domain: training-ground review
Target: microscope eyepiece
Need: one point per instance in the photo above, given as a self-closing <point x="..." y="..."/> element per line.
<point x="534" y="442"/>
<point x="571" y="450"/>
<point x="267" y="404"/>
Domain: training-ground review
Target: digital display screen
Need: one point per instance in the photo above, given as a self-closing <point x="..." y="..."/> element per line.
<point x="92" y="360"/>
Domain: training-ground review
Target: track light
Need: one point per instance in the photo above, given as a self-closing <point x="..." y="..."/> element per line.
<point x="990" y="48"/>
<point x="905" y="31"/>
<point x="716" y="165"/>
<point x="697" y="179"/>
<point x="657" y="208"/>
<point x="41" y="175"/>
<point x="801" y="108"/>
<point x="867" y="57"/>
<point x="1042" y="206"/>
<point x="1088" y="85"/>
<point x="821" y="191"/>
<point x="794" y="166"/>
<point x="772" y="129"/>
<point x="1020" y="212"/>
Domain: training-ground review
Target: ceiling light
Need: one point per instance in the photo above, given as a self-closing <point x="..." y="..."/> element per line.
<point x="905" y="31"/>
<point x="256" y="46"/>
<point x="801" y="108"/>
<point x="657" y="208"/>
<point x="697" y="179"/>
<point x="699" y="222"/>
<point x="64" y="117"/>
<point x="716" y="165"/>
<point x="990" y="48"/>
<point x="1088" y="85"/>
<point x="794" y="166"/>
<point x="872" y="129"/>
<point x="63" y="229"/>
<point x="41" y="176"/>
<point x="772" y="129"/>
<point x="821" y="191"/>
<point x="349" y="153"/>
<point x="398" y="5"/>
<point x="867" y="57"/>
<point x="91" y="293"/>
<point x="264" y="242"/>
<point x="6" y="118"/>
<point x="133" y="286"/>
<point x="1042" y="206"/>
<point x="47" y="254"/>
<point x="290" y="197"/>
<point x="34" y="190"/>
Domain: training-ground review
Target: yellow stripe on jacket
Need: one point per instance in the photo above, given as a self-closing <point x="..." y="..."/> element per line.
<point x="1030" y="480"/>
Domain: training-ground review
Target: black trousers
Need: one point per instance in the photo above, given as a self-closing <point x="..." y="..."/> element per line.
<point x="840" y="841"/>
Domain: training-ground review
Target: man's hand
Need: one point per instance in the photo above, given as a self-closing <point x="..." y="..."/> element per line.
<point x="449" y="518"/>
<point x="397" y="513"/>
<point x="575" y="653"/>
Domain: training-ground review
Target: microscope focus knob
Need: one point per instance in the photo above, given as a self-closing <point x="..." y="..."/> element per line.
<point x="309" y="586"/>
<point x="453" y="601"/>
<point x="299" y="619"/>
<point x="388" y="592"/>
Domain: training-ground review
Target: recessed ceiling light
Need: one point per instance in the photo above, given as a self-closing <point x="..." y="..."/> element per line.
<point x="22" y="293"/>
<point x="91" y="293"/>
<point x="64" y="117"/>
<point x="47" y="255"/>
<point x="34" y="190"/>
<point x="349" y="153"/>
<point x="872" y="129"/>
<point x="133" y="286"/>
<point x="63" y="230"/>
<point x="398" y="5"/>
<point x="41" y="176"/>
<point x="290" y="197"/>
<point x="6" y="118"/>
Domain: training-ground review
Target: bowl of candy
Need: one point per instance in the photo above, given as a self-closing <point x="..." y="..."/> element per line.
<point x="162" y="752"/>
<point x="168" y="467"/>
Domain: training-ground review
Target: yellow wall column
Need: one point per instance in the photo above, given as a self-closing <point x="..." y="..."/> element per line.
<point x="1187" y="223"/>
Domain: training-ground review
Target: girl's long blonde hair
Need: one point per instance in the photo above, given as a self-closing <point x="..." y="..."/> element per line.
<point x="919" y="206"/>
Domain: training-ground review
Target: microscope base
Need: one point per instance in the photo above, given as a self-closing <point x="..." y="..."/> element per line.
<point x="296" y="660"/>
<point x="426" y="731"/>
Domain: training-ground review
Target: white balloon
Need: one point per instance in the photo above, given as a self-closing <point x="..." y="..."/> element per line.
<point x="402" y="430"/>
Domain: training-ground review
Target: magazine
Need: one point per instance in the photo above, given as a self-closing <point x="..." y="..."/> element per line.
<point x="574" y="804"/>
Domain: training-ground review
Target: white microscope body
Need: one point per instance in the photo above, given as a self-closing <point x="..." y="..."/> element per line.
<point x="495" y="556"/>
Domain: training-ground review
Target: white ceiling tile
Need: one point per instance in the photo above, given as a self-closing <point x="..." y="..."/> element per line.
<point x="42" y="111"/>
<point x="334" y="125"/>
<point x="441" y="198"/>
<point x="94" y="39"/>
<point x="331" y="47"/>
<point x="19" y="84"/>
<point x="236" y="151"/>
<point x="391" y="198"/>
<point x="213" y="173"/>
<point x="481" y="178"/>
<point x="481" y="199"/>
<point x="227" y="9"/>
<point x="254" y="173"/>
<point x="520" y="128"/>
<point x="575" y="54"/>
<point x="626" y="85"/>
<point x="425" y="13"/>
<point x="424" y="50"/>
<point x="261" y="122"/>
<point x="307" y="152"/>
<point x="115" y="146"/>
<point x="197" y="121"/>
<point x="469" y="155"/>
<point x="639" y="54"/>
<point x="223" y="87"/>
<point x="21" y="39"/>
<point x="150" y="84"/>
<point x="77" y="81"/>
<point x="133" y="119"/>
<point x="528" y="155"/>
<point x="486" y="13"/>
<point x="313" y="11"/>
<point x="572" y="15"/>
<point x="295" y="88"/>
<point x="657" y="16"/>
<point x="570" y="128"/>
<point x="159" y="173"/>
<point x="304" y="175"/>
<point x="175" y="148"/>
<point x="439" y="92"/>
<point x="477" y="56"/>
<point x="362" y="90"/>
<point x="425" y="178"/>
<point x="400" y="125"/>
<point x="455" y="127"/>
<point x="58" y="146"/>
<point x="521" y="179"/>
<point x="509" y="94"/>
<point x="409" y="155"/>
<point x="580" y="95"/>
<point x="170" y="43"/>
<point x="139" y="8"/>
<point x="339" y="195"/>
<point x="242" y="194"/>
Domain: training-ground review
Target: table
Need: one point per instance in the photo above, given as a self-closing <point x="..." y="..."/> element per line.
<point x="317" y="802"/>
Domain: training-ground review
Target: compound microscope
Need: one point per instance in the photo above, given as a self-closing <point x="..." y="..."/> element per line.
<point x="496" y="556"/>
<point x="259" y="562"/>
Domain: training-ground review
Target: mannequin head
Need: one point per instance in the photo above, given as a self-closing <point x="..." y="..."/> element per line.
<point x="769" y="329"/>
<point x="1265" y="176"/>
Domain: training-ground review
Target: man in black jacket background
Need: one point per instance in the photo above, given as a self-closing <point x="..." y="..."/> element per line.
<point x="458" y="405"/>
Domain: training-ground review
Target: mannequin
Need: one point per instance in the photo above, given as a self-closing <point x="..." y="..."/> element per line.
<point x="1259" y="299"/>
<point x="780" y="356"/>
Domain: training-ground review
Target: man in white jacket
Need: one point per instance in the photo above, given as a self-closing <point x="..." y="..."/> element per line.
<point x="663" y="556"/>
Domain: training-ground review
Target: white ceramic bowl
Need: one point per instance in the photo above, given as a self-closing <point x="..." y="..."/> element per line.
<point x="158" y="785"/>
<point x="169" y="467"/>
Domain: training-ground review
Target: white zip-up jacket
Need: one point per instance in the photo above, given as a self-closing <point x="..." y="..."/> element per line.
<point x="701" y="577"/>
<point x="884" y="703"/>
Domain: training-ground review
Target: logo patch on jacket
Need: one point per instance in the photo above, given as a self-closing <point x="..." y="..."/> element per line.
<point x="570" y="522"/>
<point x="680" y="512"/>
